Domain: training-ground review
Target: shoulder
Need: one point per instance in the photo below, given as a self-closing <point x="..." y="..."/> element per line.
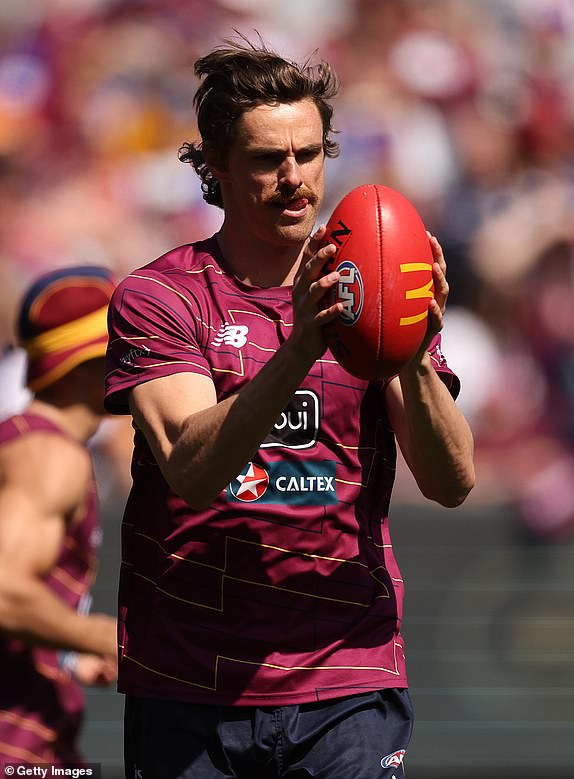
<point x="171" y="275"/>
<point x="47" y="449"/>
<point x="180" y="260"/>
<point x="48" y="465"/>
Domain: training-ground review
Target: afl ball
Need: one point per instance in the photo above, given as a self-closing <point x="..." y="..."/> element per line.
<point x="384" y="258"/>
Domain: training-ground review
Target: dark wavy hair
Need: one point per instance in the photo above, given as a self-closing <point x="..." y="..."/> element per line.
<point x="240" y="76"/>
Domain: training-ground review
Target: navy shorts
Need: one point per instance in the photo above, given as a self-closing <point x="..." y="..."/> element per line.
<point x="362" y="736"/>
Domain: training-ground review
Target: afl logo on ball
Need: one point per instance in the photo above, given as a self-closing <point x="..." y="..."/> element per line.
<point x="349" y="291"/>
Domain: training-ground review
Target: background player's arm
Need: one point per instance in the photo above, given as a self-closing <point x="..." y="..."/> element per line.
<point x="43" y="483"/>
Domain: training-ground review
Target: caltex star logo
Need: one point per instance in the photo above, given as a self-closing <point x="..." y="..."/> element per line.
<point x="251" y="484"/>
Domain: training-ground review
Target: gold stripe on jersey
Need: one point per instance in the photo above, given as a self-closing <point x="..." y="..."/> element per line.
<point x="196" y="271"/>
<point x="227" y="577"/>
<point x="24" y="754"/>
<point x="21" y="423"/>
<point x="70" y="583"/>
<point x="160" y="284"/>
<point x="276" y="667"/>
<point x="258" y="664"/>
<point x="27" y="723"/>
<point x="232" y="312"/>
<point x="124" y="338"/>
<point x="259" y="315"/>
<point x="178" y="597"/>
<point x="240" y="372"/>
<point x="174" y="362"/>
<point x="264" y="585"/>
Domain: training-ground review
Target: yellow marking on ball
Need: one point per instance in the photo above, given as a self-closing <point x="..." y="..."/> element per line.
<point x="412" y="320"/>
<point x="409" y="267"/>
<point x="419" y="292"/>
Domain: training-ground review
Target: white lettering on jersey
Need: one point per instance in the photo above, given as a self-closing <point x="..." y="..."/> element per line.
<point x="305" y="484"/>
<point x="231" y="335"/>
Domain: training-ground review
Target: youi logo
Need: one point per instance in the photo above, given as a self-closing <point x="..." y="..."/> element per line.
<point x="298" y="425"/>
<point x="350" y="292"/>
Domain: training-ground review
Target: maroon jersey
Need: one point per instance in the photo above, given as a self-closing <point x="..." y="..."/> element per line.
<point x="285" y="590"/>
<point x="41" y="704"/>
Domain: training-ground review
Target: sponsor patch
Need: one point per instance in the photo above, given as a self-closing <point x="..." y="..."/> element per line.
<point x="298" y="425"/>
<point x="293" y="484"/>
<point x="251" y="484"/>
<point x="129" y="359"/>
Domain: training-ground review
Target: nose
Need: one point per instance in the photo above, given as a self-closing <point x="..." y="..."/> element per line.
<point x="290" y="174"/>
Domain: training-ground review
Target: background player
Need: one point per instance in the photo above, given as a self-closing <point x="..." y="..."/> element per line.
<point x="49" y="524"/>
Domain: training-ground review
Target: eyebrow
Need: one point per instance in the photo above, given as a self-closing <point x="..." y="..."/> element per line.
<point x="311" y="147"/>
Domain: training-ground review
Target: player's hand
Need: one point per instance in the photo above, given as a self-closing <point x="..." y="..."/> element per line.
<point x="95" y="671"/>
<point x="437" y="305"/>
<point x="311" y="286"/>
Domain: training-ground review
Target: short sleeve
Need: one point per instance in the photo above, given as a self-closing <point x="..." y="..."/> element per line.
<point x="440" y="364"/>
<point x="154" y="331"/>
<point x="449" y="378"/>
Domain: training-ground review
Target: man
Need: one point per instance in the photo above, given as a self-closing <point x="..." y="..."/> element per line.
<point x="49" y="527"/>
<point x="260" y="602"/>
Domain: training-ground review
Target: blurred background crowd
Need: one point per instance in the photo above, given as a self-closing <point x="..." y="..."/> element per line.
<point x="465" y="106"/>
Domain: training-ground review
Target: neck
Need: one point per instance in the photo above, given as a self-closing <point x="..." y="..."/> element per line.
<point x="257" y="263"/>
<point x="75" y="419"/>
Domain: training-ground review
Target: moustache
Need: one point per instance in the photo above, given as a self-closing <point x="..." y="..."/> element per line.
<point x="281" y="198"/>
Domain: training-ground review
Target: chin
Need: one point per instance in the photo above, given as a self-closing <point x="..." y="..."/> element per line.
<point x="293" y="234"/>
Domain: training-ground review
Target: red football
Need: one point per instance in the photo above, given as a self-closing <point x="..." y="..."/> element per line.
<point x="385" y="262"/>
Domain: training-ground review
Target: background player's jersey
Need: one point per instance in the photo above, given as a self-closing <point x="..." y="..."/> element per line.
<point x="285" y="590"/>
<point x="41" y="704"/>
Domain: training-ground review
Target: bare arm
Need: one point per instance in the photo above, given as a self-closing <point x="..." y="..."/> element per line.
<point x="432" y="433"/>
<point x="201" y="445"/>
<point x="43" y="485"/>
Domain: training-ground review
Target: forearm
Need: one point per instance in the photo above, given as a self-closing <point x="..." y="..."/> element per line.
<point x="214" y="445"/>
<point x="29" y="610"/>
<point x="437" y="440"/>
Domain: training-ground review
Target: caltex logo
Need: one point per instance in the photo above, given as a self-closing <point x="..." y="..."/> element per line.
<point x="280" y="482"/>
<point x="251" y="483"/>
<point x="349" y="292"/>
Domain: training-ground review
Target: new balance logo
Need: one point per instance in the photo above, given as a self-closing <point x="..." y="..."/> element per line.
<point x="231" y="335"/>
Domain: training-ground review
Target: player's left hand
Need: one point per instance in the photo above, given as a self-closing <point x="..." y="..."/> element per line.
<point x="437" y="305"/>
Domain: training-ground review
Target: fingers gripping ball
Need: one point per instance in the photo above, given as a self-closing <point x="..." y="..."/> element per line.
<point x="385" y="263"/>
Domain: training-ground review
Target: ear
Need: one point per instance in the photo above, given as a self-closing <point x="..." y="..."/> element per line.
<point x="216" y="163"/>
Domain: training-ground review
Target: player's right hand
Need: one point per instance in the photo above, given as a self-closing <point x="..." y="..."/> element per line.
<point x="310" y="314"/>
